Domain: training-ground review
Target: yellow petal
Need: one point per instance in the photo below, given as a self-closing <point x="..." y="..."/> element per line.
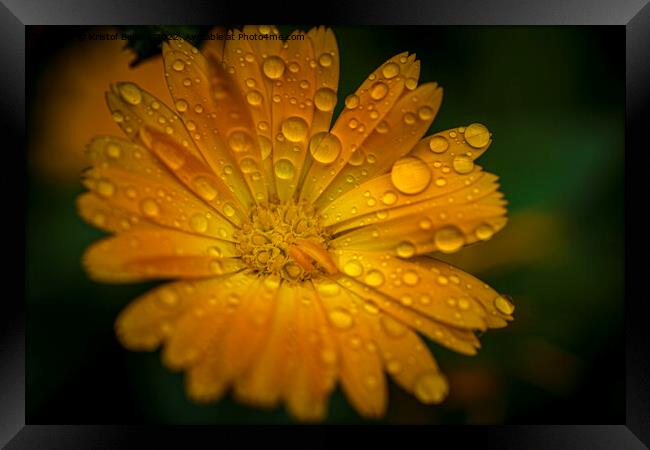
<point x="199" y="329"/>
<point x="399" y="132"/>
<point x="143" y="254"/>
<point x="361" y="374"/>
<point x="406" y="282"/>
<point x="94" y="210"/>
<point x="363" y="112"/>
<point x="211" y="105"/>
<point x="293" y="81"/>
<point x="327" y="77"/>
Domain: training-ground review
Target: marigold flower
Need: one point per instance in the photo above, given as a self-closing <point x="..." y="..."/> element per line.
<point x="299" y="249"/>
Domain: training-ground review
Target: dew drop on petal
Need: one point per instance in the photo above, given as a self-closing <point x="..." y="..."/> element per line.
<point x="198" y="223"/>
<point x="390" y="70"/>
<point x="240" y="141"/>
<point x="477" y="135"/>
<point x="449" y="239"/>
<point x="149" y="207"/>
<point x="325" y="147"/>
<point x="484" y="232"/>
<point x="294" y="128"/>
<point x="325" y="99"/>
<point x="425" y="113"/>
<point x="463" y="164"/>
<point x="181" y="105"/>
<point x="410" y="175"/>
<point x="325" y="60"/>
<point x="378" y="90"/>
<point x="284" y="169"/>
<point x="273" y="67"/>
<point x="351" y="101"/>
<point x="204" y="188"/>
<point x="178" y="65"/>
<point x="130" y="93"/>
<point x="389" y="198"/>
<point x="410" y="278"/>
<point x="341" y="319"/>
<point x="353" y="268"/>
<point x="405" y="249"/>
<point x="105" y="188"/>
<point x="254" y="98"/>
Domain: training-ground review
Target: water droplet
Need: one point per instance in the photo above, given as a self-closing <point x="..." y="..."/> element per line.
<point x="441" y="181"/>
<point x="130" y="93"/>
<point x="431" y="388"/>
<point x="228" y="210"/>
<point x="411" y="83"/>
<point x="378" y="90"/>
<point x="351" y="101"/>
<point x="181" y="105"/>
<point x="328" y="288"/>
<point x="167" y="298"/>
<point x="449" y="239"/>
<point x="325" y="99"/>
<point x="425" y="113"/>
<point x="284" y="169"/>
<point x="105" y="188"/>
<point x="216" y="267"/>
<point x="463" y="304"/>
<point x="425" y="224"/>
<point x="240" y="141"/>
<point x="503" y="305"/>
<point x="295" y="128"/>
<point x="273" y="67"/>
<point x="325" y="147"/>
<point x="410" y="175"/>
<point x="382" y="127"/>
<point x="294" y="67"/>
<point x="484" y="232"/>
<point x="353" y="268"/>
<point x="340" y="318"/>
<point x="254" y="98"/>
<point x="405" y="249"/>
<point x="463" y="164"/>
<point x="477" y="135"/>
<point x="390" y="70"/>
<point x="113" y="151"/>
<point x="353" y="123"/>
<point x="410" y="278"/>
<point x="199" y="223"/>
<point x="392" y="327"/>
<point x="178" y="65"/>
<point x="149" y="207"/>
<point x="389" y="198"/>
<point x="325" y="60"/>
<point x="205" y="188"/>
<point x="118" y="116"/>
<point x="409" y="118"/>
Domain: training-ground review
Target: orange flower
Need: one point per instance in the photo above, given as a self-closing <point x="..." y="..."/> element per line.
<point x="299" y="249"/>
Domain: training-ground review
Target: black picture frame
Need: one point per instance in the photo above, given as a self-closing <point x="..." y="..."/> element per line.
<point x="634" y="15"/>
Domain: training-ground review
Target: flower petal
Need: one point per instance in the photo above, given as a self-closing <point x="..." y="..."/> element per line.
<point x="212" y="106"/>
<point x="323" y="42"/>
<point x="152" y="253"/>
<point x="140" y="186"/>
<point x="361" y="374"/>
<point x="364" y="110"/>
<point x="399" y="132"/>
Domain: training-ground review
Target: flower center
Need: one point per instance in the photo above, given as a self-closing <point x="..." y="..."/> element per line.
<point x="286" y="240"/>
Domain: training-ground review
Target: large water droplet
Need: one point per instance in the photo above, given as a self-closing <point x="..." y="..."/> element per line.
<point x="130" y="93"/>
<point x="405" y="249"/>
<point x="205" y="188"/>
<point x="390" y="70"/>
<point x="325" y="60"/>
<point x="199" y="223"/>
<point x="484" y="232"/>
<point x="325" y="99"/>
<point x="340" y="318"/>
<point x="374" y="278"/>
<point x="378" y="90"/>
<point x="410" y="175"/>
<point x="351" y="101"/>
<point x="477" y="135"/>
<point x="325" y="147"/>
<point x="353" y="268"/>
<point x="284" y="169"/>
<point x="254" y="98"/>
<point x="295" y="128"/>
<point x="273" y="67"/>
<point x="463" y="164"/>
<point x="449" y="239"/>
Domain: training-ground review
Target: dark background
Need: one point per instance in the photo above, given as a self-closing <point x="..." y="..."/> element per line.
<point x="553" y="98"/>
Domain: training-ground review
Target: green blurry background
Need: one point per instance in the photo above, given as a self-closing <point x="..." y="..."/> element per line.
<point x="553" y="98"/>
